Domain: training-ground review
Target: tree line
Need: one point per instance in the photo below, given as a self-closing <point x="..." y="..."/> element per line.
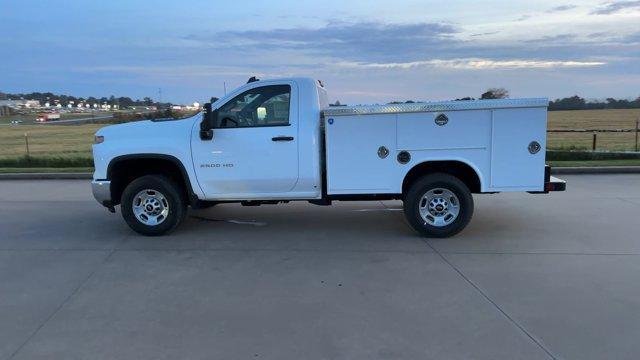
<point x="569" y="103"/>
<point x="578" y="103"/>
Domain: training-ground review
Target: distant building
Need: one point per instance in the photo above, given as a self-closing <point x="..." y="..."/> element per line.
<point x="193" y="106"/>
<point x="143" y="107"/>
<point x="20" y="104"/>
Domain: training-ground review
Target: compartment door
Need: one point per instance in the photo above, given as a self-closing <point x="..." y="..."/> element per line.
<point x="513" y="166"/>
<point x="353" y="163"/>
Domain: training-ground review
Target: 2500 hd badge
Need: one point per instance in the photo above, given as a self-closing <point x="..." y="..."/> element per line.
<point x="216" y="165"/>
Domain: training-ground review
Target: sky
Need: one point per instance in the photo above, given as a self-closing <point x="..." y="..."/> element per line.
<point x="364" y="51"/>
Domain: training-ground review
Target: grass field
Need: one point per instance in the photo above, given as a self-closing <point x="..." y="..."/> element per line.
<point x="627" y="162"/>
<point x="71" y="142"/>
<point x="10" y="170"/>
<point x="592" y="119"/>
<point x="47" y="140"/>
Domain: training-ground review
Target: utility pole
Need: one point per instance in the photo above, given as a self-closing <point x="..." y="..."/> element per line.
<point x="160" y="95"/>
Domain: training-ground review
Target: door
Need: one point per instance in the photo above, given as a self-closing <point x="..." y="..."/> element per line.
<point x="516" y="163"/>
<point x="254" y="150"/>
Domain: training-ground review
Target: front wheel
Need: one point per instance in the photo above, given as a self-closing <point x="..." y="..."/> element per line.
<point x="153" y="205"/>
<point x="438" y="205"/>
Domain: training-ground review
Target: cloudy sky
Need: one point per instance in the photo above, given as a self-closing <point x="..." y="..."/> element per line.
<point x="365" y="51"/>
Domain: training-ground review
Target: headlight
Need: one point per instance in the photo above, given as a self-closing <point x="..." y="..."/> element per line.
<point x="98" y="139"/>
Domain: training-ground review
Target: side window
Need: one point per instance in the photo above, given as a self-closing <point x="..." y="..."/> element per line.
<point x="261" y="106"/>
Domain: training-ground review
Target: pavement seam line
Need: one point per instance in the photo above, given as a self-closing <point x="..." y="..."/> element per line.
<point x="559" y="253"/>
<point x="492" y="302"/>
<point x="62" y="304"/>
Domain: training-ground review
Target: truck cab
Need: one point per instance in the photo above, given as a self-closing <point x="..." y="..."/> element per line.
<point x="278" y="140"/>
<point x="262" y="142"/>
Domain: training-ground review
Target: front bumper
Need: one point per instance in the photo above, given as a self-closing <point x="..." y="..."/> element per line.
<point x="102" y="193"/>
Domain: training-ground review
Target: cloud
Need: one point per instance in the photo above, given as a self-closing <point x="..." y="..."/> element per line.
<point x="476" y="64"/>
<point x="363" y="40"/>
<point x="599" y="35"/>
<point x="615" y="7"/>
<point x="561" y="8"/>
<point x="485" y="33"/>
<point x="385" y="43"/>
<point x="177" y="71"/>
<point x="340" y="46"/>
<point x="560" y="38"/>
<point x="604" y="37"/>
<point x="631" y="38"/>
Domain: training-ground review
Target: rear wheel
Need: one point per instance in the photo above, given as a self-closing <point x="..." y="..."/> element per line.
<point x="438" y="205"/>
<point x="153" y="205"/>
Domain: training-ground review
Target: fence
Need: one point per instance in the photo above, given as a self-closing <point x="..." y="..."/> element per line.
<point x="594" y="134"/>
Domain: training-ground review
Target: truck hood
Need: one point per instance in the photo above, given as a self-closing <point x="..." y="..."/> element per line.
<point x="146" y="128"/>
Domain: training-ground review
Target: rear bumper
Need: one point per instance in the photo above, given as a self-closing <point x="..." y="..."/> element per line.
<point x="102" y="192"/>
<point x="555" y="184"/>
<point x="551" y="183"/>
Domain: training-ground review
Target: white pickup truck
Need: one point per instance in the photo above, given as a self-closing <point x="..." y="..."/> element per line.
<point x="276" y="141"/>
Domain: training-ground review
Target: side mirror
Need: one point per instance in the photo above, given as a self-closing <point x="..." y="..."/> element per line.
<point x="206" y="134"/>
<point x="206" y="125"/>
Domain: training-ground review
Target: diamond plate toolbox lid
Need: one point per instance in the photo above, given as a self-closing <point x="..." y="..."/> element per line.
<point x="436" y="106"/>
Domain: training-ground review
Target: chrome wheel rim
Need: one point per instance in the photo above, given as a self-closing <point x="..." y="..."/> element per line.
<point x="150" y="207"/>
<point x="439" y="207"/>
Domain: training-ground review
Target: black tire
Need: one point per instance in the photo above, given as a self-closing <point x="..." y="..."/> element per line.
<point x="170" y="191"/>
<point x="413" y="200"/>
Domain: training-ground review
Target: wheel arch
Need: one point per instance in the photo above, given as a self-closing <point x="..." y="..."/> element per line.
<point x="463" y="170"/>
<point x="125" y="168"/>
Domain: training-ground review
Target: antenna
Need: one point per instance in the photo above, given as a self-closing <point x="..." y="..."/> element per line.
<point x="160" y="95"/>
<point x="225" y="87"/>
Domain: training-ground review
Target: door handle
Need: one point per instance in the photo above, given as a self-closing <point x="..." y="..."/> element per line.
<point x="282" y="138"/>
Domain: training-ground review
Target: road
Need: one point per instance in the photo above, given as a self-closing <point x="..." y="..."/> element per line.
<point x="87" y="120"/>
<point x="532" y="277"/>
<point x="76" y="121"/>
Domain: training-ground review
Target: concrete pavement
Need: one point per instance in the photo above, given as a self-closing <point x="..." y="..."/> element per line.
<point x="532" y="277"/>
